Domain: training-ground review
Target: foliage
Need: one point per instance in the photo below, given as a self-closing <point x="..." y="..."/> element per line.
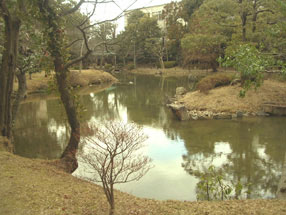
<point x="107" y="67"/>
<point x="168" y="64"/>
<point x="112" y="152"/>
<point x="207" y="38"/>
<point x="250" y="62"/>
<point x="130" y="66"/>
<point x="214" y="186"/>
<point x="203" y="48"/>
<point x="212" y="81"/>
<point x="189" y="7"/>
<point x="136" y="38"/>
<point x="156" y="46"/>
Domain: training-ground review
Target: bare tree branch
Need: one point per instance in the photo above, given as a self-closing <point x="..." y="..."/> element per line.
<point x="72" y="10"/>
<point x="113" y="152"/>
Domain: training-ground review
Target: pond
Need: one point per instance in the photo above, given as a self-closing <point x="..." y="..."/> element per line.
<point x="248" y="150"/>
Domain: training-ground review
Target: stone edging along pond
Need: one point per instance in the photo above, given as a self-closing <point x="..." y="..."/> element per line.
<point x="183" y="113"/>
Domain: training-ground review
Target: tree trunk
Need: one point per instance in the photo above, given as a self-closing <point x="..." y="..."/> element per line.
<point x="21" y="93"/>
<point x="7" y="71"/>
<point x="111" y="202"/>
<point x="254" y="16"/>
<point x="162" y="63"/>
<point x="56" y="47"/>
<point x="69" y="154"/>
<point x="243" y="23"/>
<point x="80" y="63"/>
<point x="134" y="55"/>
<point x="214" y="65"/>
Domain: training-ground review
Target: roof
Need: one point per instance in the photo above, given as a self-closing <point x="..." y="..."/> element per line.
<point x="146" y="7"/>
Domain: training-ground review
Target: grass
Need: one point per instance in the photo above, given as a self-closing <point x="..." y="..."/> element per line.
<point x="35" y="187"/>
<point x="40" y="84"/>
<point x="176" y="71"/>
<point x="226" y="99"/>
<point x="212" y="81"/>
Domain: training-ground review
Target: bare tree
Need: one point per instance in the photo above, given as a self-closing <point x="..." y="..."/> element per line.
<point x="112" y="153"/>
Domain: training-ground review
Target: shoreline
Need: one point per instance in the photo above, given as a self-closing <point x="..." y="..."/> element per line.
<point x="25" y="185"/>
<point x="225" y="103"/>
<point x="40" y="84"/>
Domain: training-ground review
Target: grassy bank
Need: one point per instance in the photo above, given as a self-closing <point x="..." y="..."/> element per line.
<point x="37" y="187"/>
<point x="176" y="71"/>
<point x="40" y="84"/>
<point x="226" y="99"/>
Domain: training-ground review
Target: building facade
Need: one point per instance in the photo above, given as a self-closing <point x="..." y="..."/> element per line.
<point x="152" y="11"/>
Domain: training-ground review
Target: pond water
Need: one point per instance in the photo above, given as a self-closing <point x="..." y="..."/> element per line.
<point x="248" y="150"/>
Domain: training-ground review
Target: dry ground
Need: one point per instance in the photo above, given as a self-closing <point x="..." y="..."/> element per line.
<point x="35" y="187"/>
<point x="40" y="83"/>
<point x="226" y="99"/>
<point x="176" y="71"/>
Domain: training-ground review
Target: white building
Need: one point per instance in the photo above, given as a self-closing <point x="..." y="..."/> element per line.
<point x="152" y="11"/>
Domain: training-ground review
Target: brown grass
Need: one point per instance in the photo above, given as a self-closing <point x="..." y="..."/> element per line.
<point x="226" y="99"/>
<point x="212" y="81"/>
<point x="176" y="71"/>
<point x="36" y="187"/>
<point x="40" y="83"/>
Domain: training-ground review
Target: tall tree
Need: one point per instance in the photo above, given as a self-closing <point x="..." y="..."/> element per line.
<point x="53" y="19"/>
<point x="140" y="28"/>
<point x="10" y="11"/>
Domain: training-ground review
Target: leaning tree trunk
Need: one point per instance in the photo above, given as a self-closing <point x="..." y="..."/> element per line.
<point x="57" y="50"/>
<point x="7" y="71"/>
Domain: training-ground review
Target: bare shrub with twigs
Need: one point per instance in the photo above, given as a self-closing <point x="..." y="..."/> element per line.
<point x="112" y="153"/>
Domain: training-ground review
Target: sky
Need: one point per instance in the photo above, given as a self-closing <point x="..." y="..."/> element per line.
<point x="110" y="11"/>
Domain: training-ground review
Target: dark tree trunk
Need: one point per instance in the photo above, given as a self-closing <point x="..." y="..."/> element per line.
<point x="57" y="50"/>
<point x="243" y="25"/>
<point x="21" y="93"/>
<point x="214" y="65"/>
<point x="254" y="16"/>
<point x="7" y="71"/>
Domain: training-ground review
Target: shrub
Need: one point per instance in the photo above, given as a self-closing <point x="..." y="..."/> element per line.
<point x="107" y="67"/>
<point x="168" y="64"/>
<point x="75" y="80"/>
<point x="213" y="81"/>
<point x="130" y="66"/>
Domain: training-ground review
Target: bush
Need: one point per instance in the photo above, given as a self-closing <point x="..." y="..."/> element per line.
<point x="168" y="64"/>
<point x="107" y="67"/>
<point x="213" y="81"/>
<point x="75" y="80"/>
<point x="130" y="66"/>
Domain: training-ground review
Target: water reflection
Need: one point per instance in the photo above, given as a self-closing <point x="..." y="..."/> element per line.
<point x="248" y="150"/>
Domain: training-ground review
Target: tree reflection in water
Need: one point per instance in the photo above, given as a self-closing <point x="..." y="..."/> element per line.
<point x="250" y="150"/>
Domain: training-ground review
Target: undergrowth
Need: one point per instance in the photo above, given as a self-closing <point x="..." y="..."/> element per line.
<point x="213" y="81"/>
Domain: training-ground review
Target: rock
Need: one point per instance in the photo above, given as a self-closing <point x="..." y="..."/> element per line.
<point x="235" y="81"/>
<point x="180" y="111"/>
<point x="239" y="114"/>
<point x="193" y="78"/>
<point x="222" y="116"/>
<point x="262" y="113"/>
<point x="180" y="91"/>
<point x="194" y="117"/>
